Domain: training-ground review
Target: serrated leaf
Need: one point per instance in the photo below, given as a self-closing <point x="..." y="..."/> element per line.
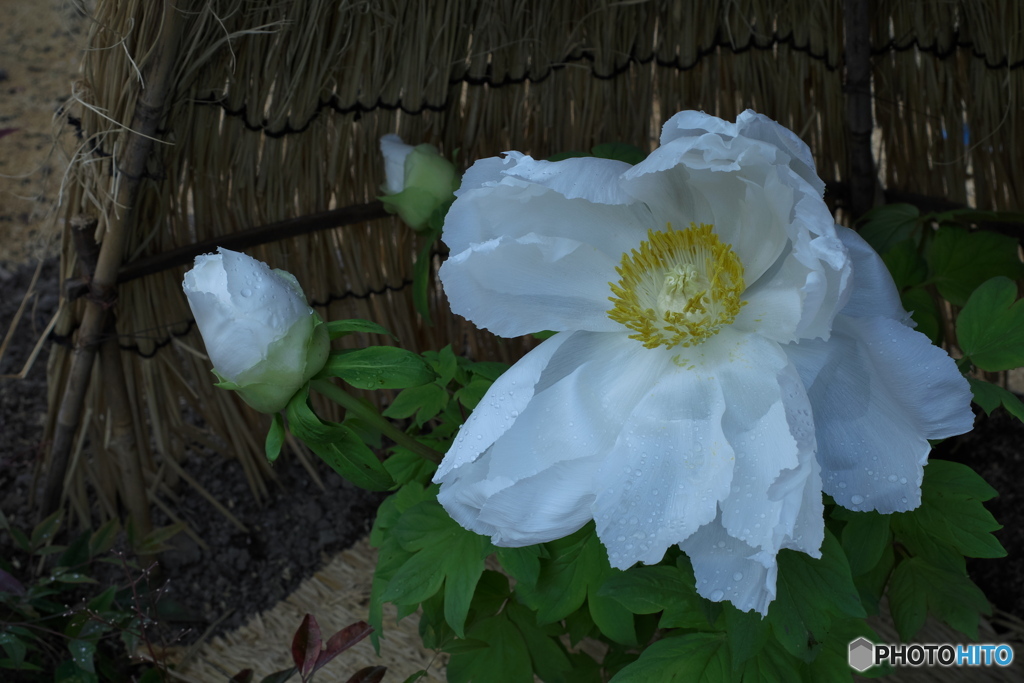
<point x="275" y="437"/>
<point x="379" y="367"/>
<point x="809" y="592"/>
<point x="990" y="396"/>
<point x="692" y="658"/>
<point x="405" y="466"/>
<point x="340" y="328"/>
<point x="960" y="261"/>
<point x="990" y="328"/>
<point x="522" y="564"/>
<point x="885" y="226"/>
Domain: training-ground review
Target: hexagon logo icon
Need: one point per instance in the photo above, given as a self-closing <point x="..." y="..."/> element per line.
<point x="862" y="654"/>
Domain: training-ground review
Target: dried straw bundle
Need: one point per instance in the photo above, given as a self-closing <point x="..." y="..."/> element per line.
<point x="275" y="108"/>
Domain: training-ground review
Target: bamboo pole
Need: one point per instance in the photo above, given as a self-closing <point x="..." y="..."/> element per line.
<point x="859" y="121"/>
<point x="102" y="289"/>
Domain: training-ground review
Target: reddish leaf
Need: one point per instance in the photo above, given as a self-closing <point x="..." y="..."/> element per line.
<point x="343" y="640"/>
<point x="306" y="646"/>
<point x="9" y="584"/>
<point x="371" y="674"/>
<point x="243" y="676"/>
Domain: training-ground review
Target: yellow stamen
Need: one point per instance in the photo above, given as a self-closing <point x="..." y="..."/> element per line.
<point x="680" y="288"/>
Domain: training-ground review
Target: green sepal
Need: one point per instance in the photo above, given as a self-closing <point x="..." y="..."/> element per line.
<point x="275" y="437"/>
<point x="337" y="445"/>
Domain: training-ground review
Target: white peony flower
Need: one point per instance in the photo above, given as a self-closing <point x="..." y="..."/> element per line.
<point x="418" y="180"/>
<point x="726" y="353"/>
<point x="263" y="339"/>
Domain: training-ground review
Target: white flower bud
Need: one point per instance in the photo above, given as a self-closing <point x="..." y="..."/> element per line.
<point x="264" y="341"/>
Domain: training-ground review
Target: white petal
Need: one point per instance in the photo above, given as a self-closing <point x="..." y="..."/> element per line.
<point x="873" y="291"/>
<point x="674" y="462"/>
<point x="683" y="183"/>
<point x="395" y="151"/>
<point x="764" y="448"/>
<point x="516" y="286"/>
<point x="549" y="505"/>
<point x="499" y="407"/>
<point x="879" y="391"/>
<point x="554" y="444"/>
<point x="729" y="569"/>
<point x="517" y="196"/>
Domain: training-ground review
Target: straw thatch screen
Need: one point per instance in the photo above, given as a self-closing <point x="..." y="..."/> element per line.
<point x="272" y="110"/>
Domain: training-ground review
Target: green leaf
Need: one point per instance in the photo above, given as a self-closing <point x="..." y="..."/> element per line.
<point x="565" y="576"/>
<point x="769" y="663"/>
<point x="960" y="261"/>
<point x="275" y="437"/>
<point x="990" y="328"/>
<point x="491" y="370"/>
<point x="906" y="265"/>
<point x="918" y="587"/>
<point x="424" y="402"/>
<point x="991" y="396"/>
<point x="809" y="592"/>
<point x="446" y="365"/>
<point x="522" y="564"/>
<point x="444" y="552"/>
<point x="103" y="539"/>
<point x="379" y="367"/>
<point x="619" y="151"/>
<point x="865" y="537"/>
<point x="83" y="653"/>
<point x="13" y="646"/>
<point x="924" y="312"/>
<point x="471" y="394"/>
<point x="670" y="590"/>
<point x="340" y="328"/>
<point x="405" y="466"/>
<point x="550" y="661"/>
<point x="506" y="656"/>
<point x="885" y="226"/>
<point x="337" y="445"/>
<point x="692" y="658"/>
<point x="44" y="531"/>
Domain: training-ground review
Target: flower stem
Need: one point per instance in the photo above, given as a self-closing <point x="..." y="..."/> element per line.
<point x="351" y="404"/>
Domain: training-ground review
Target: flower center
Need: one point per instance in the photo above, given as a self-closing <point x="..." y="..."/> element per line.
<point x="679" y="288"/>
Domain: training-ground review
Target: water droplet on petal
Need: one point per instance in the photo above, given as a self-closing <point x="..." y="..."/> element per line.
<point x="892" y="477"/>
<point x="903" y="480"/>
<point x="246" y="292"/>
<point x="716" y="596"/>
<point x="856" y="500"/>
<point x="738" y="576"/>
